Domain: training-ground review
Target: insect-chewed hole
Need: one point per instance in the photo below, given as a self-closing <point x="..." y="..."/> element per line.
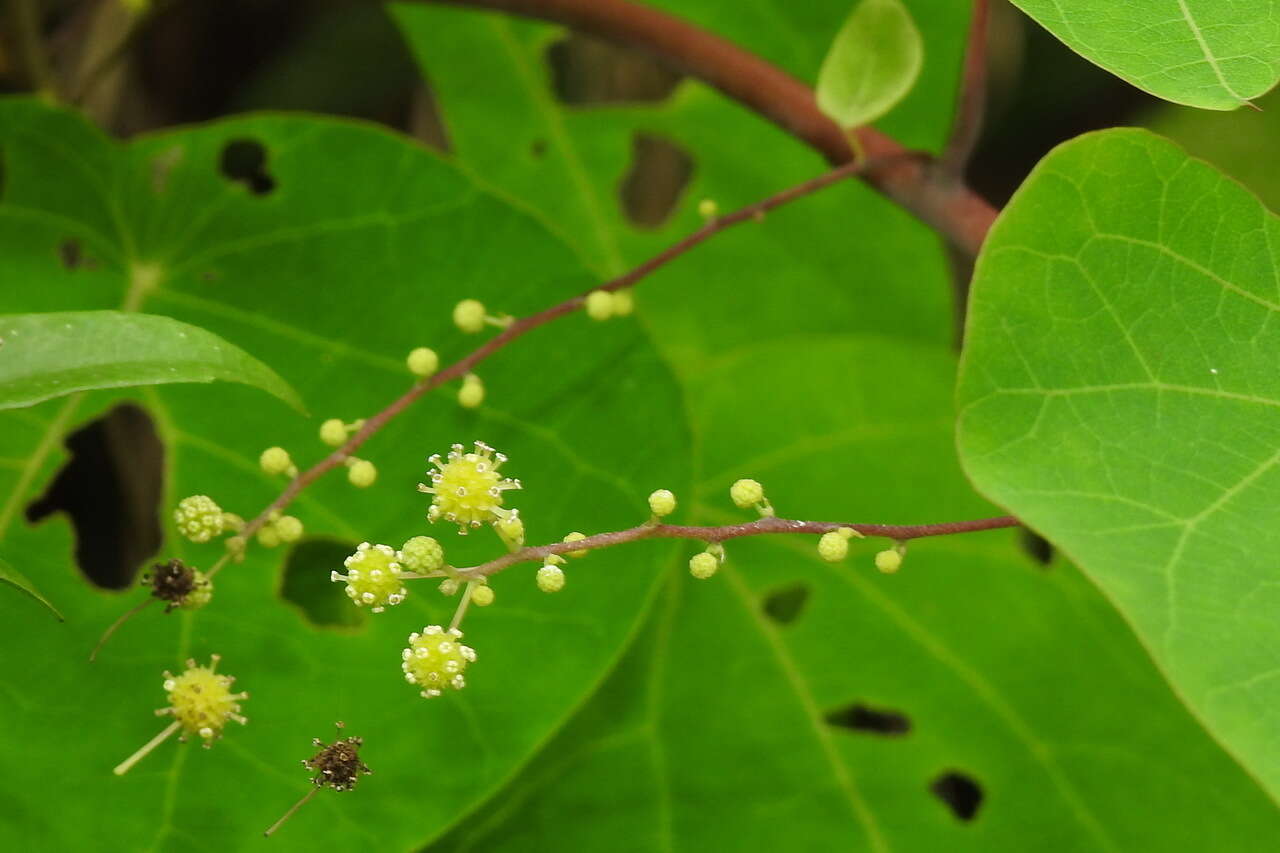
<point x="110" y="490"/>
<point x="1036" y="546"/>
<point x="785" y="605"/>
<point x="245" y="161"/>
<point x="586" y="71"/>
<point x="961" y="793"/>
<point x="659" y="172"/>
<point x="305" y="583"/>
<point x="877" y="721"/>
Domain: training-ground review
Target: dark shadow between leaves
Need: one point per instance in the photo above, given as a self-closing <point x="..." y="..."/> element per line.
<point x="245" y="161"/>
<point x="110" y="490"/>
<point x="785" y="605"/>
<point x="960" y="792"/>
<point x="876" y="721"/>
<point x="305" y="583"/>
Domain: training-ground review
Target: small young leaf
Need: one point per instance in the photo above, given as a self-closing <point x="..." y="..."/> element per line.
<point x="872" y="64"/>
<point x="11" y="576"/>
<point x="1202" y="53"/>
<point x="49" y="355"/>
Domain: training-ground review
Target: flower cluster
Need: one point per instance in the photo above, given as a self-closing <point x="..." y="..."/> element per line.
<point x="435" y="660"/>
<point x="373" y="577"/>
<point x="468" y="487"/>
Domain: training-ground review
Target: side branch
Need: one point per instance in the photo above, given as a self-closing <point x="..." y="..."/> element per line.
<point x="973" y="97"/>
<point x="765" y="526"/>
<point x="950" y="208"/>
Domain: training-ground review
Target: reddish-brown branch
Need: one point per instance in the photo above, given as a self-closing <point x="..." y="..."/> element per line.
<point x="765" y="526"/>
<point x="949" y="207"/>
<point x="973" y="97"/>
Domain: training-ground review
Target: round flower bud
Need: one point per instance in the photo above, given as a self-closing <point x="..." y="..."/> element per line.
<point x="468" y="487"/>
<point x="468" y="315"/>
<point x="373" y="577"/>
<point x="288" y="528"/>
<point x="624" y="302"/>
<point x="708" y="209"/>
<point x="662" y="502"/>
<point x="833" y="546"/>
<point x="550" y="578"/>
<point x="423" y="362"/>
<point x="511" y="529"/>
<point x="422" y="554"/>
<point x="362" y="473"/>
<point x="471" y="394"/>
<point x="703" y="566"/>
<point x="275" y="460"/>
<point x="888" y="561"/>
<point x="202" y="701"/>
<point x="575" y="536"/>
<point x="268" y="536"/>
<point x="232" y="522"/>
<point x="333" y="432"/>
<point x="435" y="660"/>
<point x="599" y="304"/>
<point x="746" y="493"/>
<point x="198" y="518"/>
<point x="482" y="596"/>
<point x="448" y="587"/>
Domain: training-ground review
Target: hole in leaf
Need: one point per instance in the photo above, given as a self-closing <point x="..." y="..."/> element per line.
<point x="110" y="489"/>
<point x="784" y="605"/>
<point x="245" y="161"/>
<point x="1036" y="546"/>
<point x="876" y="721"/>
<point x="659" y="171"/>
<point x="960" y="792"/>
<point x="305" y="583"/>
<point x="587" y="71"/>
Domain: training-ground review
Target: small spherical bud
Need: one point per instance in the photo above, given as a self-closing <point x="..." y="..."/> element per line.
<point x="268" y="536"/>
<point x="703" y="566"/>
<point x="708" y="209"/>
<point x="202" y="701"/>
<point x="236" y="545"/>
<point x="373" y="577"/>
<point x="179" y="585"/>
<point x="482" y="596"/>
<point x="575" y="536"/>
<point x="423" y="362"/>
<point x="511" y="528"/>
<point x="232" y="522"/>
<point x="598" y="305"/>
<point x="471" y="394"/>
<point x="448" y="587"/>
<point x="624" y="302"/>
<point x="422" y="554"/>
<point x="468" y="487"/>
<point x="468" y="315"/>
<point x="333" y="432"/>
<point x="288" y="528"/>
<point x="435" y="661"/>
<point x="662" y="502"/>
<point x="833" y="547"/>
<point x="889" y="561"/>
<point x="746" y="493"/>
<point x="198" y="518"/>
<point x="550" y="578"/>
<point x="362" y="473"/>
<point x="275" y="460"/>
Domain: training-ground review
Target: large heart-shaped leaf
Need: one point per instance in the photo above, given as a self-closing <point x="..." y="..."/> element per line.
<point x="52" y="355"/>
<point x="789" y="703"/>
<point x="1203" y="53"/>
<point x="346" y="248"/>
<point x="1119" y="393"/>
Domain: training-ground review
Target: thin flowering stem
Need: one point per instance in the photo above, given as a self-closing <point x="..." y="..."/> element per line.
<point x="299" y="804"/>
<point x="115" y="626"/>
<point x="125" y="766"/>
<point x="462" y="605"/>
<point x="765" y="526"/>
<point x="523" y="325"/>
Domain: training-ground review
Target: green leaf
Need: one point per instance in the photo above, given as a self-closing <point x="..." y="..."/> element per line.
<point x="1203" y="53"/>
<point x="873" y="63"/>
<point x="43" y="356"/>
<point x="714" y="732"/>
<point x="354" y="254"/>
<point x="1119" y="394"/>
<point x="11" y="576"/>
